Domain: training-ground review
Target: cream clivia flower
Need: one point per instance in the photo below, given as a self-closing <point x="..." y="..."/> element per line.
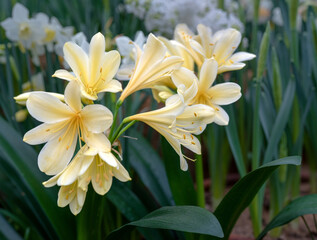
<point x="219" y="46"/>
<point x="63" y="124"/>
<point x="151" y="66"/>
<point x="89" y="165"/>
<point x="177" y="121"/>
<point x="128" y="52"/>
<point x="94" y="72"/>
<point x="213" y="96"/>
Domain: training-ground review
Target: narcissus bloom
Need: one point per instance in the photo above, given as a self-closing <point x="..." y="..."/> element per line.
<point x="219" y="46"/>
<point x="63" y="124"/>
<point x="94" y="72"/>
<point x="151" y="66"/>
<point x="213" y="96"/>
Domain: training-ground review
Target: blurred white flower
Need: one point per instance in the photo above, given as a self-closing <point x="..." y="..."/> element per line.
<point x="21" y="29"/>
<point x="127" y="50"/>
<point x="162" y="16"/>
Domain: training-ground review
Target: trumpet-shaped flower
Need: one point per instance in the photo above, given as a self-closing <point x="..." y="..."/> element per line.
<point x="96" y="165"/>
<point x="213" y="96"/>
<point x="63" y="124"/>
<point x="219" y="46"/>
<point x="177" y="122"/>
<point x="151" y="66"/>
<point x="94" y="72"/>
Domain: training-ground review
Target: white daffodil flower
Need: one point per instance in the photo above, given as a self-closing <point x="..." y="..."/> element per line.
<point x="151" y="66"/>
<point x="21" y="29"/>
<point x="126" y="48"/>
<point x="94" y="72"/>
<point x="63" y="124"/>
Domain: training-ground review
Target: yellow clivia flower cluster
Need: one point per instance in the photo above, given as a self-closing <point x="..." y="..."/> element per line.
<point x="73" y="121"/>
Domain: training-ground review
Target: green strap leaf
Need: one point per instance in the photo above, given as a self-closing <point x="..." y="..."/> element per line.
<point x="181" y="183"/>
<point x="298" y="207"/>
<point x="146" y="161"/>
<point x="242" y="193"/>
<point x="180" y="218"/>
<point x="7" y="231"/>
<point x="24" y="161"/>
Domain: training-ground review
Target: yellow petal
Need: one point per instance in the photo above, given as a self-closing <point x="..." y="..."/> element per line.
<point x="47" y="108"/>
<point x="63" y="74"/>
<point x="77" y="60"/>
<point x="96" y="118"/>
<point x="121" y="173"/>
<point x="56" y="154"/>
<point x="96" y="53"/>
<point x="109" y="158"/>
<point x="43" y="133"/>
<point x="72" y="96"/>
<point x="225" y="93"/>
<point x="208" y="74"/>
<point x="110" y="65"/>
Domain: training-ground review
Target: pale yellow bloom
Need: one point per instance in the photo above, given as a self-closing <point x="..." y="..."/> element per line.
<point x="219" y="46"/>
<point x="22" y="98"/>
<point x="94" y="72"/>
<point x="213" y="96"/>
<point x="151" y="66"/>
<point x="64" y="124"/>
<point x="89" y="165"/>
<point x="177" y="121"/>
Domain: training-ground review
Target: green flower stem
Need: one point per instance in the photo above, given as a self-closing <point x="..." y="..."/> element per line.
<point x="125" y="129"/>
<point x="122" y="129"/>
<point x="221" y="4"/>
<point x="200" y="180"/>
<point x="118" y="105"/>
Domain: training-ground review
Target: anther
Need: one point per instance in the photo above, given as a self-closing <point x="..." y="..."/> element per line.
<point x="193" y="143"/>
<point x="195" y="114"/>
<point x="192" y="137"/>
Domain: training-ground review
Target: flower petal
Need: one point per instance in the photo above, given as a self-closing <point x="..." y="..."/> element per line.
<point x="226" y="45"/>
<point x="47" y="108"/>
<point x="43" y="133"/>
<point x="96" y="52"/>
<point x="98" y="142"/>
<point x="111" y="86"/>
<point x="20" y="13"/>
<point x="121" y="173"/>
<point x="56" y="154"/>
<point x="208" y="74"/>
<point x="72" y="96"/>
<point x="221" y="117"/>
<point x="230" y="67"/>
<point x="63" y="74"/>
<point x="110" y="65"/>
<point x="224" y="93"/>
<point x="97" y="118"/>
<point x="109" y="158"/>
<point x="77" y="59"/>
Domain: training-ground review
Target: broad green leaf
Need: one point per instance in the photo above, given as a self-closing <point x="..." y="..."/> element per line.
<point x="130" y="206"/>
<point x="242" y="193"/>
<point x="23" y="158"/>
<point x="180" y="218"/>
<point x="146" y="161"/>
<point x="298" y="207"/>
<point x="180" y="182"/>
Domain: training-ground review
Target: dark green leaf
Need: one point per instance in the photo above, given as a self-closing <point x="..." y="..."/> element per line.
<point x="150" y="168"/>
<point x="242" y="193"/>
<point x="298" y="207"/>
<point x="180" y="218"/>
<point x="180" y="182"/>
<point x="23" y="158"/>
